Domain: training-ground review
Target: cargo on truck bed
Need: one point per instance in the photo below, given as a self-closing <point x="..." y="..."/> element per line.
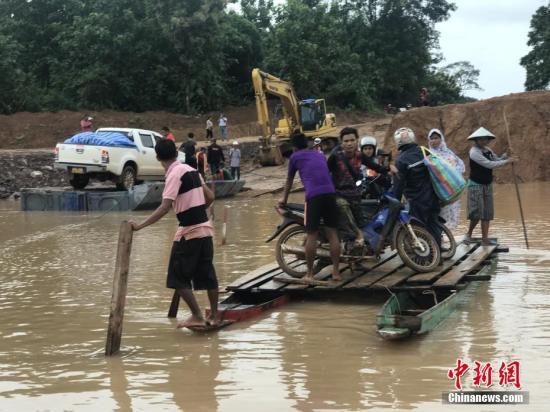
<point x="125" y="156"/>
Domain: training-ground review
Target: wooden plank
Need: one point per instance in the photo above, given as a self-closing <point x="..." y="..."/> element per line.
<point x="300" y="251"/>
<point x="461" y="251"/>
<point x="266" y="282"/>
<point x="323" y="274"/>
<point x="284" y="278"/>
<point x="375" y="275"/>
<point x="452" y="277"/>
<point x="256" y="273"/>
<point x="360" y="270"/>
<point x="394" y="279"/>
<point x="120" y="286"/>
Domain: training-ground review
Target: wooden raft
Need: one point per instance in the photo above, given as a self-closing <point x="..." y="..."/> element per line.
<point x="388" y="273"/>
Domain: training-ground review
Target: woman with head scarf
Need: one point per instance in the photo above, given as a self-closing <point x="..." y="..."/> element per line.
<point x="436" y="142"/>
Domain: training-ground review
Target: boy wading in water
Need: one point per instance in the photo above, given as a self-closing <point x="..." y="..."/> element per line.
<point x="480" y="186"/>
<point x="320" y="200"/>
<point x="192" y="251"/>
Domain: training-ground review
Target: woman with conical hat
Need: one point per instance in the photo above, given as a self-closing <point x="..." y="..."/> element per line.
<point x="480" y="189"/>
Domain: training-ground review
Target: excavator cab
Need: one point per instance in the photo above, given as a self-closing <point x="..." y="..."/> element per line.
<point x="312" y="114"/>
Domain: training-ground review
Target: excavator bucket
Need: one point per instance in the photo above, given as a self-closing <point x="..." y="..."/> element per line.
<point x="270" y="155"/>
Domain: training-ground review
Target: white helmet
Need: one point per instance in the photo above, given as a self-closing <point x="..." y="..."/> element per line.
<point x="368" y="141"/>
<point x="317" y="140"/>
<point x="403" y="136"/>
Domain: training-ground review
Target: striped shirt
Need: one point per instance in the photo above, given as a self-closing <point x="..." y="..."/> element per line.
<point x="184" y="187"/>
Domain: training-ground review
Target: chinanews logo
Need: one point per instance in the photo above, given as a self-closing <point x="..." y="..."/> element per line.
<point x="484" y="377"/>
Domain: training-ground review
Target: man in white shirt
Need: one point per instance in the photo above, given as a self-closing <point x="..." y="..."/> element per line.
<point x="209" y="127"/>
<point x="223" y="126"/>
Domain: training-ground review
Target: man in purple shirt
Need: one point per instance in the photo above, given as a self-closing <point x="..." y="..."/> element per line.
<point x="320" y="200"/>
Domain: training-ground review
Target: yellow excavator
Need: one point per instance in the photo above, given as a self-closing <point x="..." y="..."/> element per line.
<point x="309" y="116"/>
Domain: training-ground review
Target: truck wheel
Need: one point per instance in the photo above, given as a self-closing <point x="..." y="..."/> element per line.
<point x="79" y="182"/>
<point x="127" y="179"/>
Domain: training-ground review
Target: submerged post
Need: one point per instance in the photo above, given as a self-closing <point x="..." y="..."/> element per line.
<point x="224" y="225"/>
<point x="120" y="283"/>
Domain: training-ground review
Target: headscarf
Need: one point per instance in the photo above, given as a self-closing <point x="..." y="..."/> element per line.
<point x="444" y="152"/>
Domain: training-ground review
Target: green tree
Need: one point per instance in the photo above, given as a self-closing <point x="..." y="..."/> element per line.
<point x="537" y="61"/>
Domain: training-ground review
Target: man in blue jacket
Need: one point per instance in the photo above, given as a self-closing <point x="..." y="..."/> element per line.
<point x="414" y="182"/>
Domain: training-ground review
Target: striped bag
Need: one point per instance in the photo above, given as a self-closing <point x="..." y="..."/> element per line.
<point x="448" y="183"/>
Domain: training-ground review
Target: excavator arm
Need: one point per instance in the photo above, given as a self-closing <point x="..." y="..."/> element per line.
<point x="265" y="83"/>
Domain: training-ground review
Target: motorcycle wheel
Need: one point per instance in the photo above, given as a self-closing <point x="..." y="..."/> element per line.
<point x="448" y="243"/>
<point x="290" y="263"/>
<point x="416" y="259"/>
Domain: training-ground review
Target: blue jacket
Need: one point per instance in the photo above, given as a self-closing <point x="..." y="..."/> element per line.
<point x="414" y="179"/>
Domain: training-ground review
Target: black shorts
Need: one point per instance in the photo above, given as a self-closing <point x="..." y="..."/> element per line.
<point x="322" y="206"/>
<point x="191" y="265"/>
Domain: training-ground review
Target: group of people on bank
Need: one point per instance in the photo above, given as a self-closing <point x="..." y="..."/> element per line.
<point x="331" y="194"/>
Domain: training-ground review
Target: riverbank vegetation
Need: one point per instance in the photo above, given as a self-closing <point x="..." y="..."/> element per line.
<point x="196" y="55"/>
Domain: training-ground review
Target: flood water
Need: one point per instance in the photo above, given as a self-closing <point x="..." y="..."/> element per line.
<point x="56" y="274"/>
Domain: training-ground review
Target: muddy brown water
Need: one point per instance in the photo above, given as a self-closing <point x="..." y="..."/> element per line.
<point x="55" y="288"/>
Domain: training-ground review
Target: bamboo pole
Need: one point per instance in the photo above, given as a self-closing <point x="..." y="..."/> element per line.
<point x="120" y="284"/>
<point x="516" y="181"/>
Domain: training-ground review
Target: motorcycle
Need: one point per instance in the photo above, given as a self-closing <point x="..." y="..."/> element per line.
<point x="389" y="225"/>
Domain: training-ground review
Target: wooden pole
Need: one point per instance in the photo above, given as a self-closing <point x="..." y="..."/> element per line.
<point x="224" y="225"/>
<point x="120" y="283"/>
<point x="174" y="305"/>
<point x="516" y="181"/>
<point x="213" y="188"/>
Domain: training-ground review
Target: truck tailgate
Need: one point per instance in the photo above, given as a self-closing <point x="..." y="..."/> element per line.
<point x="78" y="154"/>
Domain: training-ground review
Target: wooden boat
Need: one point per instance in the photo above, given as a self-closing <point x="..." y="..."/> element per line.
<point x="226" y="188"/>
<point x="408" y="313"/>
<point x="243" y="306"/>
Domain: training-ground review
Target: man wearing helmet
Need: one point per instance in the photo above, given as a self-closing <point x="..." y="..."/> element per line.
<point x="369" y="151"/>
<point x="344" y="164"/>
<point x="413" y="181"/>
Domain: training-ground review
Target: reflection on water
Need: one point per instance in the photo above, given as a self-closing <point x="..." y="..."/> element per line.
<point x="56" y="274"/>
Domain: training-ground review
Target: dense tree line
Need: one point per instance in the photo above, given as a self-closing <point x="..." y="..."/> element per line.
<point x="537" y="61"/>
<point x="196" y="55"/>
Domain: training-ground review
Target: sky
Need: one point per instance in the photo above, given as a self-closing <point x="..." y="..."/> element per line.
<point x="492" y="35"/>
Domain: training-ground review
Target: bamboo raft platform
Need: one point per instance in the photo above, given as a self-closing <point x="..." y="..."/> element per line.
<point x="387" y="274"/>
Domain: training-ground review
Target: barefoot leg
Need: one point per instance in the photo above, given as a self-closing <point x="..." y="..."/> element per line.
<point x="213" y="299"/>
<point x="196" y="317"/>
<point x="334" y="243"/>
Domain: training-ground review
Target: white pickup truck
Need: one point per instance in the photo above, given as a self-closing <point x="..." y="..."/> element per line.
<point x="125" y="166"/>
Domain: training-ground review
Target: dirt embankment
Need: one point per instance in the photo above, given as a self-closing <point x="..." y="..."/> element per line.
<point x="528" y="117"/>
<point x="43" y="130"/>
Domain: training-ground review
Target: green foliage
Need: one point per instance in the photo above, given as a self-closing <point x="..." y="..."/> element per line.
<point x="197" y="55"/>
<point x="537" y="61"/>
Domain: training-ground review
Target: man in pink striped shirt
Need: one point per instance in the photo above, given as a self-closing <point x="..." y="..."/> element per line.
<point x="190" y="265"/>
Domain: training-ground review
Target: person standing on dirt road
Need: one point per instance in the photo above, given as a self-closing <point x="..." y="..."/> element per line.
<point x="191" y="259"/>
<point x="320" y="200"/>
<point x="209" y="127"/>
<point x="189" y="150"/>
<point x="168" y="134"/>
<point x="480" y="185"/>
<point x="413" y="181"/>
<point x="215" y="157"/>
<point x="222" y="123"/>
<point x="235" y="160"/>
<point x="86" y="123"/>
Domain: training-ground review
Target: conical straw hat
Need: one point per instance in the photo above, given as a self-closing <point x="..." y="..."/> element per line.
<point x="481" y="132"/>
